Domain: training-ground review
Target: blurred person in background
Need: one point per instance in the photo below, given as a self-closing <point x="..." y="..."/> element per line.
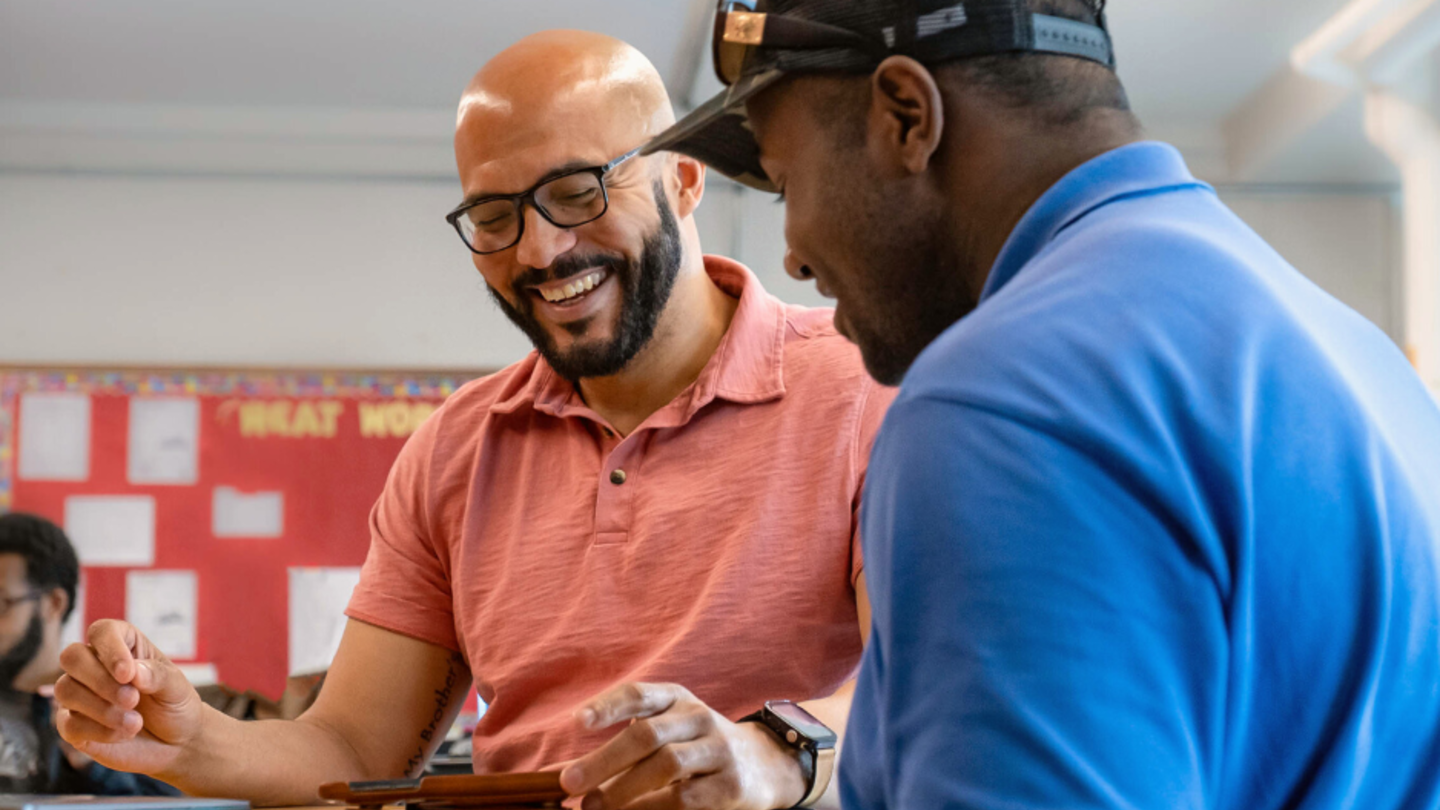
<point x="1154" y="521"/>
<point x="633" y="541"/>
<point x="38" y="578"/>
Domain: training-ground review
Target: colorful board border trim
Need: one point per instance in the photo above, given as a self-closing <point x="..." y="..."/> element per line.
<point x="258" y="384"/>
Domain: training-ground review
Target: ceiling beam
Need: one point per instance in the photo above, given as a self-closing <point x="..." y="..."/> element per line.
<point x="1275" y="117"/>
<point x="1369" y="42"/>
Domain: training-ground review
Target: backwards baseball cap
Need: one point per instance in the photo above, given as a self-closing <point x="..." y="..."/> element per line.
<point x="756" y="44"/>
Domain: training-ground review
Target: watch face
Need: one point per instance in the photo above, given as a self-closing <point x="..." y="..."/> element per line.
<point x="803" y="722"/>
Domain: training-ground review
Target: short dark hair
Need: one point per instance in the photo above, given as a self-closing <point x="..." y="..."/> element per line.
<point x="1058" y="89"/>
<point x="50" y="560"/>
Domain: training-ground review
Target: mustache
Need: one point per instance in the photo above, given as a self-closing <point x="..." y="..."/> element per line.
<point x="565" y="267"/>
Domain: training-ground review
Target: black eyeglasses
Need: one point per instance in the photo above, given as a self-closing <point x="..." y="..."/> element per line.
<point x="739" y="30"/>
<point x="8" y="603"/>
<point x="492" y="224"/>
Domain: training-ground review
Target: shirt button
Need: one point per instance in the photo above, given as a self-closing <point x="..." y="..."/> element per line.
<point x="617" y="477"/>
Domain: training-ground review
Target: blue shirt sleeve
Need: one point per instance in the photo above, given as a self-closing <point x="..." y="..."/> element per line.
<point x="1046" y="635"/>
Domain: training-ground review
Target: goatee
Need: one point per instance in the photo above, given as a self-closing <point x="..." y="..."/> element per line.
<point x="645" y="289"/>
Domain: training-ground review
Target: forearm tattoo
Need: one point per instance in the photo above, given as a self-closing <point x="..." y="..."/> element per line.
<point x="443" y="697"/>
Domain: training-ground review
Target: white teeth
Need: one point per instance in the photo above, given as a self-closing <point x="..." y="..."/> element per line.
<point x="574" y="288"/>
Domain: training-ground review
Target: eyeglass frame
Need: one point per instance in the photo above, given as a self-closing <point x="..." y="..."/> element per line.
<point x="528" y="196"/>
<point x="8" y="603"/>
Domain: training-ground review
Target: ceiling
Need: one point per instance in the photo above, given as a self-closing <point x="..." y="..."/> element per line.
<point x="1188" y="65"/>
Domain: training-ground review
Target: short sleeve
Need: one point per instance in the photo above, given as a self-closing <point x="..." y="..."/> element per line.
<point x="405" y="582"/>
<point x="1043" y="635"/>
<point x="877" y="399"/>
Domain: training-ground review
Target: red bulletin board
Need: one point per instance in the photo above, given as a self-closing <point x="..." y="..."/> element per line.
<point x="326" y="441"/>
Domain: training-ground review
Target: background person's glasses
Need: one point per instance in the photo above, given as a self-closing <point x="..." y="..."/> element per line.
<point x="8" y="603"/>
<point x="569" y="200"/>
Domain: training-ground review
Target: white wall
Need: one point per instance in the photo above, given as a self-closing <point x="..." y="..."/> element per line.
<point x="116" y="269"/>
<point x="133" y="270"/>
<point x="1345" y="241"/>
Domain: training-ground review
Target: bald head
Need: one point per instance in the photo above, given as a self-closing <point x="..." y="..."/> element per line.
<point x="574" y="88"/>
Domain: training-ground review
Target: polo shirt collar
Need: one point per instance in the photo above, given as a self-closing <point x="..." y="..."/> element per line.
<point x="746" y="368"/>
<point x="1139" y="169"/>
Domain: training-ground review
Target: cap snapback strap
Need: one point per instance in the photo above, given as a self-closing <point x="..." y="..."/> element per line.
<point x="1072" y="38"/>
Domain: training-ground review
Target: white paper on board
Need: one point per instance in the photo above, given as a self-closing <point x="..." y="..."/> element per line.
<point x="164" y="440"/>
<point x="200" y="674"/>
<point x="162" y="605"/>
<point x="237" y="514"/>
<point x="73" y="631"/>
<point x="112" y="529"/>
<point x="318" y="597"/>
<point x="54" y="437"/>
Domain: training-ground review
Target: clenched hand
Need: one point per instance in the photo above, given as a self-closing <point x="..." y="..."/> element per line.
<point x="122" y="702"/>
<point x="679" y="753"/>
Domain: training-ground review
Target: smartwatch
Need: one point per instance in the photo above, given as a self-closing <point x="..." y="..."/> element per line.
<point x="814" y="740"/>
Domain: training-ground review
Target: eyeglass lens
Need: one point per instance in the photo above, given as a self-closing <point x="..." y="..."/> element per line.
<point x="8" y="603"/>
<point x="567" y="201"/>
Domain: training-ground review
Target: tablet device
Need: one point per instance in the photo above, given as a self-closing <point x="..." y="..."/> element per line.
<point x="501" y="790"/>
<point x="31" y="801"/>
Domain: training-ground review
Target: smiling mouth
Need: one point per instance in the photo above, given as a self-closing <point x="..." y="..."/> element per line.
<point x="573" y="290"/>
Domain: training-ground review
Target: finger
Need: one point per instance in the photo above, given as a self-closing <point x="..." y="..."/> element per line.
<point x="76" y="697"/>
<point x="114" y="643"/>
<point x="629" y="701"/>
<point x="640" y="740"/>
<point x="81" y="663"/>
<point x="81" y="731"/>
<point x="671" y="764"/>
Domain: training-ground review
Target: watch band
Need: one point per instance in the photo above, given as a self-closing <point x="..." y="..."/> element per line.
<point x="824" y="768"/>
<point x="817" y="765"/>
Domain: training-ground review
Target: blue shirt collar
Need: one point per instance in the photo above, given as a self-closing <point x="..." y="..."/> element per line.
<point x="1138" y="169"/>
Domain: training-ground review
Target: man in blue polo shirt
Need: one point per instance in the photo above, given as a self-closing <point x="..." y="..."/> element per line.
<point x="1154" y="522"/>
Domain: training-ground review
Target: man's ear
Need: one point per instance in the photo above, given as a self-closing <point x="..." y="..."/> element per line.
<point x="907" y="116"/>
<point x="54" y="604"/>
<point x="689" y="186"/>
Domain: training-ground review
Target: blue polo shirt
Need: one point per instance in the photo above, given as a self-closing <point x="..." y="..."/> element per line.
<point x="1156" y="526"/>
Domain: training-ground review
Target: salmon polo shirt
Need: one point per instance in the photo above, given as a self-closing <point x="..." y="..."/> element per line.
<point x="715" y="546"/>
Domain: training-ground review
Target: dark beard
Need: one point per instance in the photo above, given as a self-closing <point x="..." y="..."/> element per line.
<point x="19" y="656"/>
<point x="645" y="290"/>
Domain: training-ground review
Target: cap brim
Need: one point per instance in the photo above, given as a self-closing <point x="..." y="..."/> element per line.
<point x="718" y="133"/>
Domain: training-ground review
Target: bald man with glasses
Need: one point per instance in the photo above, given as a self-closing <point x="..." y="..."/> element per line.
<point x="632" y="542"/>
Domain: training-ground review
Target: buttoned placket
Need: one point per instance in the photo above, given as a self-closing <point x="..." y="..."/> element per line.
<point x="615" y="492"/>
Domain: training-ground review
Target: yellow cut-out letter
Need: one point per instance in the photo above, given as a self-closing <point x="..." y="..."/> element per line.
<point x="277" y="417"/>
<point x="307" y="421"/>
<point x="252" y="420"/>
<point x="397" y="418"/>
<point x="330" y="412"/>
<point x="372" y="420"/>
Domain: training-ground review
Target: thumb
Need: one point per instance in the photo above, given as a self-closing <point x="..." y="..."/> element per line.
<point x="161" y="680"/>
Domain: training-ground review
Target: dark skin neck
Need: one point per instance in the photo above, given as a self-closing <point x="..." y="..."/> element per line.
<point x="994" y="172"/>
